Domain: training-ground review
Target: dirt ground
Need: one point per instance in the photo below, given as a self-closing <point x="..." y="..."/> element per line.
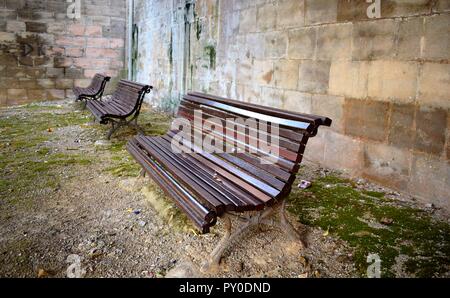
<point x="68" y="194"/>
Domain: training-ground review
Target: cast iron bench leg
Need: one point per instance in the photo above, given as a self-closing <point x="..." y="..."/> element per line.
<point x="249" y="222"/>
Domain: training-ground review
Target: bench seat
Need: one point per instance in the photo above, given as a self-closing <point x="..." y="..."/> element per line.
<point x="205" y="185"/>
<point x="125" y="102"/>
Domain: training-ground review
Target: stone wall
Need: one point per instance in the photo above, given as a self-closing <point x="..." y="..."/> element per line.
<point x="385" y="82"/>
<point x="43" y="52"/>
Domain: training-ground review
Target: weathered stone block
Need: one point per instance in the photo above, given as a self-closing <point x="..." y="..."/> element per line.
<point x="55" y="94"/>
<point x="442" y="5"/>
<point x="271" y="97"/>
<point x="73" y="73"/>
<point x="100" y="42"/>
<point x="290" y="14"/>
<point x="409" y="38"/>
<point x="430" y="180"/>
<point x="55" y="72"/>
<point x="334" y="42"/>
<point x="244" y="73"/>
<point x="313" y="76"/>
<point x="373" y="40"/>
<point x="315" y="149"/>
<point x="56" y="28"/>
<point x="349" y="78"/>
<point x="71" y="41"/>
<point x="61" y="62"/>
<point x="267" y="17"/>
<point x="8" y="14"/>
<point x="17" y="94"/>
<point x="437" y="40"/>
<point x="74" y="52"/>
<point x="15" y="26"/>
<point x="297" y="102"/>
<point x="302" y="43"/>
<point x="434" y="85"/>
<point x="247" y="20"/>
<point x="28" y="83"/>
<point x="393" y="79"/>
<point x="254" y="43"/>
<point x="401" y="129"/>
<point x="94" y="31"/>
<point x="116" y="43"/>
<point x="3" y="97"/>
<point x="321" y="11"/>
<point x="63" y="83"/>
<point x="286" y="74"/>
<point x="46" y="83"/>
<point x="352" y="10"/>
<point x="366" y="119"/>
<point x="263" y="72"/>
<point x="275" y="45"/>
<point x="251" y="94"/>
<point x="7" y="37"/>
<point x="37" y="94"/>
<point x="343" y="152"/>
<point x="387" y="165"/>
<point x="431" y="124"/>
<point x="115" y="30"/>
<point x="36" y="27"/>
<point x="331" y="107"/>
<point x="397" y="8"/>
<point x="102" y="53"/>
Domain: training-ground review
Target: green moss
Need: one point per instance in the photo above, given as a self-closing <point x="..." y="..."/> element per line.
<point x="375" y="194"/>
<point x="332" y="203"/>
<point x="198" y="28"/>
<point x="210" y="52"/>
<point x="170" y="50"/>
<point x="27" y="163"/>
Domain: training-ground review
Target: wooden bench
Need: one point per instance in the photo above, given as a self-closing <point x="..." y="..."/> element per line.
<point x="94" y="91"/>
<point x="122" y="108"/>
<point x="210" y="185"/>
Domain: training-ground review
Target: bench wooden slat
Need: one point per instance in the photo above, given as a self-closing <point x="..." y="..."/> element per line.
<point x="313" y="119"/>
<point x="285" y="134"/>
<point x="221" y="167"/>
<point x="248" y="113"/>
<point x="235" y="200"/>
<point x="201" y="216"/>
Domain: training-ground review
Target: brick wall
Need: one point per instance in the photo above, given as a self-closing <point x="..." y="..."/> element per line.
<point x="43" y="52"/>
<point x="385" y="82"/>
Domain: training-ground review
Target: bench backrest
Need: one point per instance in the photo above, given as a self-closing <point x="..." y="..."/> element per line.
<point x="274" y="179"/>
<point x="98" y="83"/>
<point x="128" y="97"/>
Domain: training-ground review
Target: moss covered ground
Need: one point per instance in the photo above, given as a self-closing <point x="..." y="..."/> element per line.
<point x="407" y="239"/>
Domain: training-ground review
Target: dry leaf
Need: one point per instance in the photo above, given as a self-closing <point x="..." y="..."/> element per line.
<point x="42" y="273"/>
<point x="303" y="261"/>
<point x="49" y="129"/>
<point x="303" y="275"/>
<point x="386" y="221"/>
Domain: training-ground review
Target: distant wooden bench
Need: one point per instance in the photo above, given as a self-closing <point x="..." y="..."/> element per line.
<point x="210" y="185"/>
<point x="94" y="91"/>
<point x="122" y="108"/>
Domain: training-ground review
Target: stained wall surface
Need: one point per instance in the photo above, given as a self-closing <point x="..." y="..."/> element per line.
<point x="384" y="81"/>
